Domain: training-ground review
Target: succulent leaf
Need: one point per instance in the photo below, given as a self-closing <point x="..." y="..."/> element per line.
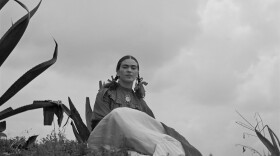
<point x="6" y="110"/>
<point x="11" y="38"/>
<point x="2" y="126"/>
<point x="30" y="141"/>
<point x="266" y="142"/>
<point x="77" y="135"/>
<point x="273" y="137"/>
<point x="81" y="127"/>
<point x="28" y="77"/>
<point x="2" y="3"/>
<point x="88" y="114"/>
<point x="48" y="113"/>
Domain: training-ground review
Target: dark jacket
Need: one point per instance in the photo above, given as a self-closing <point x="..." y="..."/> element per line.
<point x="109" y="99"/>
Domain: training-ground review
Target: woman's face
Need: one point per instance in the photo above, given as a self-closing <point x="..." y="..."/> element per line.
<point x="128" y="71"/>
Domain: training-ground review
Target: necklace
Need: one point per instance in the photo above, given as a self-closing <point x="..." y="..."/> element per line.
<point x="127" y="98"/>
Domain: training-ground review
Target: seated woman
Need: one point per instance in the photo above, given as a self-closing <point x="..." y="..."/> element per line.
<point x="122" y="120"/>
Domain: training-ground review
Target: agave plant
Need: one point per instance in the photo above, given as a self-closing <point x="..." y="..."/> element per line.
<point x="272" y="146"/>
<point x="7" y="43"/>
<point x="81" y="130"/>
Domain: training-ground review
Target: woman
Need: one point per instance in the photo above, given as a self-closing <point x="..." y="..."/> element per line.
<point x="122" y="119"/>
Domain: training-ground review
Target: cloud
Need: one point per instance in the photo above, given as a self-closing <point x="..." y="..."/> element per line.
<point x="209" y="68"/>
<point x="260" y="88"/>
<point x="88" y="35"/>
<point x="202" y="59"/>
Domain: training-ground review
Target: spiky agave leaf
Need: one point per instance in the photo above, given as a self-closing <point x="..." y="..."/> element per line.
<point x="57" y="109"/>
<point x="59" y="113"/>
<point x="23" y="109"/>
<point x="81" y="127"/>
<point x="28" y="77"/>
<point x="88" y="114"/>
<point x="2" y="3"/>
<point x="273" y="137"/>
<point x="275" y="145"/>
<point x="35" y="105"/>
<point x="267" y="143"/>
<point x="11" y="38"/>
<point x="30" y="141"/>
<point x="77" y="135"/>
<point x="3" y="123"/>
<point x="48" y="113"/>
<point x="2" y="126"/>
<point x="6" y="110"/>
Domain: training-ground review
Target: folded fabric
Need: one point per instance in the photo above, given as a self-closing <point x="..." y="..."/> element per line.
<point x="126" y="128"/>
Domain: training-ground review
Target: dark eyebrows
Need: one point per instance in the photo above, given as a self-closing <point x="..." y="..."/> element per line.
<point x="126" y="65"/>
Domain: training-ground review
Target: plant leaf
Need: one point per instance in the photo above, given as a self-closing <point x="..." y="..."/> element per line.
<point x="81" y="127"/>
<point x="2" y="3"/>
<point x="266" y="142"/>
<point x="3" y="135"/>
<point x="29" y="142"/>
<point x="48" y="113"/>
<point x="88" y="114"/>
<point x="11" y="38"/>
<point x="273" y="136"/>
<point x="2" y="126"/>
<point x="58" y="110"/>
<point x="33" y="11"/>
<point x="6" y="110"/>
<point x="28" y="77"/>
<point x="35" y="105"/>
<point x="77" y="135"/>
<point x="49" y="109"/>
<point x="59" y="114"/>
<point x="66" y="110"/>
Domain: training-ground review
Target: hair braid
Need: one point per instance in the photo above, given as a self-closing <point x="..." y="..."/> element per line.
<point x="139" y="88"/>
<point x="112" y="84"/>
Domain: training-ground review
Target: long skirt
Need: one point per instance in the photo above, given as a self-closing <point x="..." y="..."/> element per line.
<point x="126" y="128"/>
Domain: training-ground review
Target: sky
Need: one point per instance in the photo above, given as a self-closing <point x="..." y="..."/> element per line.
<point x="203" y="59"/>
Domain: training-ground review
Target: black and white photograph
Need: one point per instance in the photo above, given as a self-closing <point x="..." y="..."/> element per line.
<point x="140" y="77"/>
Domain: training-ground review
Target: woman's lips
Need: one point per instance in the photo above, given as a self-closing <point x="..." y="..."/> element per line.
<point x="128" y="76"/>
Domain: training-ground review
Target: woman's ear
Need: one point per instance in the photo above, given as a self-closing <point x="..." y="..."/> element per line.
<point x="117" y="74"/>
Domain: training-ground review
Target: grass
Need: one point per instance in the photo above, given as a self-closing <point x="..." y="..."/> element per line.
<point x="54" y="144"/>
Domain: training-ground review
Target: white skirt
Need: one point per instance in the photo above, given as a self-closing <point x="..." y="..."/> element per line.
<point x="126" y="128"/>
